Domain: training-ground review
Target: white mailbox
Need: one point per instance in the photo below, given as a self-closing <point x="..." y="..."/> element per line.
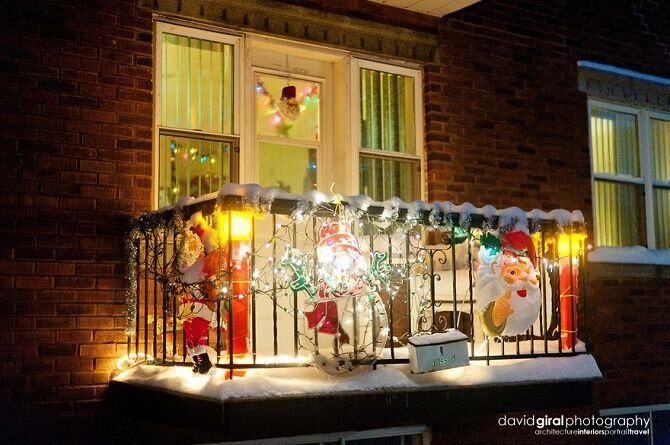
<point x="443" y="350"/>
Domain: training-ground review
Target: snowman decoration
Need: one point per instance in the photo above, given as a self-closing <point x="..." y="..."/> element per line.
<point x="345" y="326"/>
<point x="508" y="292"/>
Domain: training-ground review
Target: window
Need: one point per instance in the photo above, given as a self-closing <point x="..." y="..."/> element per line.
<point x="287" y="131"/>
<point x="389" y="135"/>
<point x="196" y="111"/>
<point x="630" y="150"/>
<point x="299" y="117"/>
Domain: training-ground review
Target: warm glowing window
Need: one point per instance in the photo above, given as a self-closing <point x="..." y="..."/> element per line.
<point x="287" y="131"/>
<point x="389" y="131"/>
<point x="195" y="115"/>
<point x="631" y="171"/>
<point x="257" y="109"/>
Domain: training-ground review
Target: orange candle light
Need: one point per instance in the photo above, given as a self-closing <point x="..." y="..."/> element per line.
<point x="235" y="231"/>
<point x="569" y="247"/>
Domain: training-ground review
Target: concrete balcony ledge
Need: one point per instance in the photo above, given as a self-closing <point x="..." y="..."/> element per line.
<point x="387" y="396"/>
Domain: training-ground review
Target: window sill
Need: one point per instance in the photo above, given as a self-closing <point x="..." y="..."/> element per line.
<point x="630" y="255"/>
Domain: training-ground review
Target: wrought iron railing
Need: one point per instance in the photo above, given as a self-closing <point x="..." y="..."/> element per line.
<point x="434" y="263"/>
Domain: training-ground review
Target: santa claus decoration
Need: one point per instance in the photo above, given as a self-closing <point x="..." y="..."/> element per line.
<point x="507" y="287"/>
<point x="199" y="263"/>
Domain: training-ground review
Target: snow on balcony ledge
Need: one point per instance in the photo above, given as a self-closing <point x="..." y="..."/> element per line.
<point x="308" y="382"/>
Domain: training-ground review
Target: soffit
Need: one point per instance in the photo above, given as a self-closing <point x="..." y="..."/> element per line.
<point x="438" y="8"/>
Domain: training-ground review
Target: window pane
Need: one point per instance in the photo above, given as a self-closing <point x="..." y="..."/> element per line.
<point x="290" y="168"/>
<point x="385" y="178"/>
<point x="387" y="112"/>
<point x="660" y="140"/>
<point x="619" y="214"/>
<point x="191" y="167"/>
<point x="197" y="84"/>
<point x="614" y="143"/>
<point x="662" y="217"/>
<point x="285" y="111"/>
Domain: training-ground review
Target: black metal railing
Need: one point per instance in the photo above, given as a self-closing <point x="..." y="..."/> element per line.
<point x="431" y="285"/>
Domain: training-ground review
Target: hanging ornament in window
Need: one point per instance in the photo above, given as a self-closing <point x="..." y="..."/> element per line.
<point x="289" y="106"/>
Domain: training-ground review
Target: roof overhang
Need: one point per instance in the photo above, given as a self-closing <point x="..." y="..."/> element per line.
<point x="438" y="8"/>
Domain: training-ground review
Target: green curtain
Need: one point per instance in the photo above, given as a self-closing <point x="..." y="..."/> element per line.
<point x="387" y="124"/>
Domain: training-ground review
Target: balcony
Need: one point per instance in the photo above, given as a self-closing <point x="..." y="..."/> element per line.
<point x="433" y="256"/>
<point x="294" y="290"/>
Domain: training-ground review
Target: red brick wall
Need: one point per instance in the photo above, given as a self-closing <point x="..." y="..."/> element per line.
<point x="506" y="124"/>
<point x="629" y="334"/>
<point x="75" y="113"/>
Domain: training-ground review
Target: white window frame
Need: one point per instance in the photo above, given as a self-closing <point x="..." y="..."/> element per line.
<point x="329" y="140"/>
<point x="160" y="28"/>
<point x="355" y="125"/>
<point x="340" y="138"/>
<point x="643" y="117"/>
<point x="421" y="433"/>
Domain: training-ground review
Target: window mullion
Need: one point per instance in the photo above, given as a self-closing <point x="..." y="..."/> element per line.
<point x="644" y="141"/>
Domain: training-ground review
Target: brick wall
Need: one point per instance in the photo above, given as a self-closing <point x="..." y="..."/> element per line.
<point x="75" y="112"/>
<point x="506" y="124"/>
<point x="628" y="309"/>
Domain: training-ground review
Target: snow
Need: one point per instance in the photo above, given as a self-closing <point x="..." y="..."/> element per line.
<point x="451" y="335"/>
<point x="622" y="72"/>
<point x="254" y="192"/>
<point x="513" y="216"/>
<point x="256" y="195"/>
<point x="296" y="382"/>
<point x="187" y="201"/>
<point x="629" y="255"/>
